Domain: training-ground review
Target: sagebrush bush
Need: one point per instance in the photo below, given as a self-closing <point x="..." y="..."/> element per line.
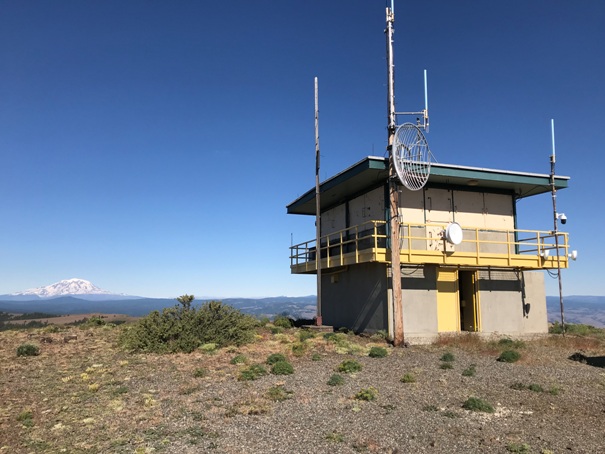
<point x="275" y="357"/>
<point x="238" y="359"/>
<point x="252" y="373"/>
<point x="408" y="378"/>
<point x="282" y="368"/>
<point x="28" y="350"/>
<point x="367" y="394"/>
<point x="377" y="352"/>
<point x="476" y="404"/>
<point x="448" y="357"/>
<point x="349" y="366"/>
<point x="283" y="322"/>
<point x="336" y="380"/>
<point x="305" y="334"/>
<point x="469" y="371"/>
<point x="180" y="329"/>
<point x="299" y="349"/>
<point x="509" y="356"/>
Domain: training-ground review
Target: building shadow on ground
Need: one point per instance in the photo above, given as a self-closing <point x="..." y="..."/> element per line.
<point x="596" y="361"/>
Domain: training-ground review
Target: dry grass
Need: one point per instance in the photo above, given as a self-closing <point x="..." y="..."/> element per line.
<point x="87" y="395"/>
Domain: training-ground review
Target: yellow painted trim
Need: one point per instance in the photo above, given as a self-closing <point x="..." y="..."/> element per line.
<point x="364" y="243"/>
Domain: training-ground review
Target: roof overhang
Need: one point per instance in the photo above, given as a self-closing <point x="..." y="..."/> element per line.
<point x="373" y="171"/>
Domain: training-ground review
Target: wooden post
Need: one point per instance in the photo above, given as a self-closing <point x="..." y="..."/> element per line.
<point x="398" y="335"/>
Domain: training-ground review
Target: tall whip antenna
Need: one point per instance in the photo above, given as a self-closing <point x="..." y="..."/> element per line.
<point x="318" y="318"/>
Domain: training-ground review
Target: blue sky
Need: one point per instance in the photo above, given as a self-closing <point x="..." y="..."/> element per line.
<point x="151" y="146"/>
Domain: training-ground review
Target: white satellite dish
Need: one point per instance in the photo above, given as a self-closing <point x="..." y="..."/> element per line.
<point x="411" y="156"/>
<point x="453" y="233"/>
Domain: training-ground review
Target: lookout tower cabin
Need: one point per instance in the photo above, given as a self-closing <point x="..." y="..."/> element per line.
<point x="489" y="279"/>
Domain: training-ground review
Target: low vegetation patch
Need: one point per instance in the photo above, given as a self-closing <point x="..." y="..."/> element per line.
<point x="367" y="394"/>
<point x="239" y="359"/>
<point x="377" y="352"/>
<point x="470" y="371"/>
<point x="509" y="356"/>
<point x="336" y="380"/>
<point x="28" y="350"/>
<point x="476" y="404"/>
<point x="448" y="357"/>
<point x="349" y="366"/>
<point x="184" y="328"/>
<point x="274" y="358"/>
<point x="408" y="378"/>
<point x="278" y="393"/>
<point x="252" y="373"/>
<point x="282" y="368"/>
<point x="281" y="321"/>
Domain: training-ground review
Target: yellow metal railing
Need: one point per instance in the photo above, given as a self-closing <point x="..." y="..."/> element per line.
<point x="424" y="244"/>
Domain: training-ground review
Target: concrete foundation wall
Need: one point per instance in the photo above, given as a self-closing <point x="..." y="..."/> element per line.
<point x="419" y="295"/>
<point x="512" y="303"/>
<point x="356" y="298"/>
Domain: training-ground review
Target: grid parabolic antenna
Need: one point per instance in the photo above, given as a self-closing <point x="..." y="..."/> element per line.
<point x="411" y="156"/>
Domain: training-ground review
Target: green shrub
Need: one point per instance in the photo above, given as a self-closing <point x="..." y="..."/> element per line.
<point x="329" y="336"/>
<point x="535" y="388"/>
<point x="335" y="437"/>
<point x="476" y="404"/>
<point x="282" y="321"/>
<point x="469" y="371"/>
<point x="377" y="352"/>
<point x="252" y="373"/>
<point x="448" y="357"/>
<point x="28" y="350"/>
<point x="262" y="321"/>
<point x="430" y="408"/>
<point x="509" y="343"/>
<point x="200" y="372"/>
<point x="380" y="334"/>
<point x="367" y="394"/>
<point x="554" y="390"/>
<point x="278" y="394"/>
<point x="209" y="347"/>
<point x="26" y="418"/>
<point x="239" y="359"/>
<point x="282" y="368"/>
<point x="178" y="329"/>
<point x="349" y="366"/>
<point x="518" y="448"/>
<point x="299" y="349"/>
<point x="305" y="334"/>
<point x="509" y="356"/>
<point x="274" y="358"/>
<point x="446" y="366"/>
<point x="336" y="380"/>
<point x="316" y="357"/>
<point x="408" y="378"/>
<point x="276" y="330"/>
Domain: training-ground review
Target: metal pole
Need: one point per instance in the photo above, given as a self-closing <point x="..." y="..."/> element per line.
<point x="318" y="318"/>
<point x="556" y="229"/>
<point x="398" y="334"/>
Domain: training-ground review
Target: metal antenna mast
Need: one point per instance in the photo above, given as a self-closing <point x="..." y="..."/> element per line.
<point x="556" y="219"/>
<point x="398" y="334"/>
<point x="318" y="318"/>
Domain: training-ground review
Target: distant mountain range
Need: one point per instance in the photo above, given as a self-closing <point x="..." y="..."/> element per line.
<point x="589" y="310"/>
<point x="78" y="296"/>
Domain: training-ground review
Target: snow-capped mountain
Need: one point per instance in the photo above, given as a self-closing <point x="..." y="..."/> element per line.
<point x="65" y="287"/>
<point x="80" y="289"/>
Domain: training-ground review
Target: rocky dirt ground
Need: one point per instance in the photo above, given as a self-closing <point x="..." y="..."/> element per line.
<point x="86" y="395"/>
